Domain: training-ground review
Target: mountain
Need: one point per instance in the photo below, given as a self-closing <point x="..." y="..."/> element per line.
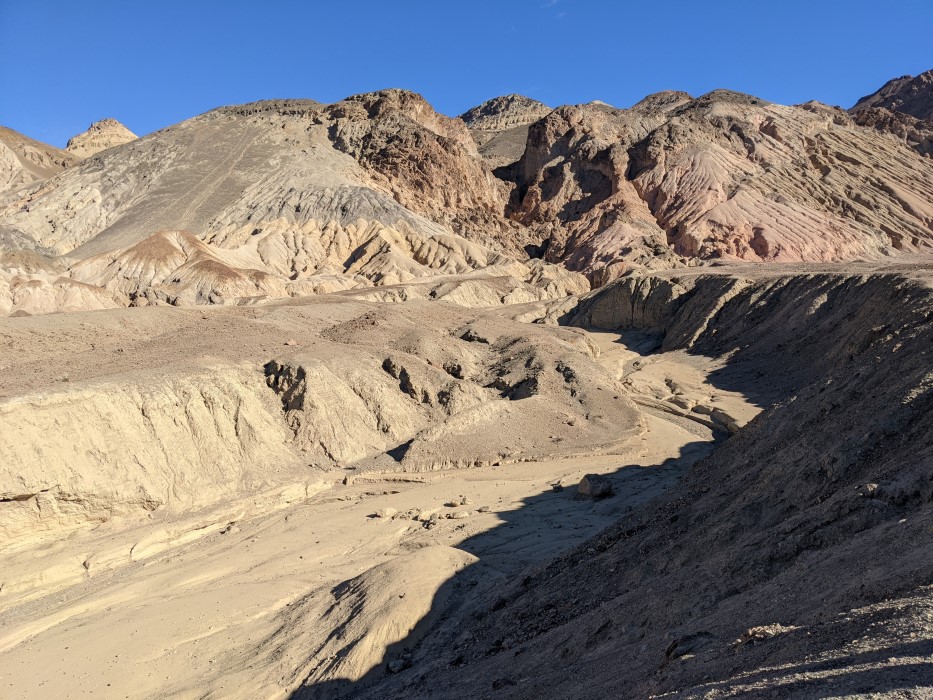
<point x="722" y="176"/>
<point x="909" y="94"/>
<point x="280" y="198"/>
<point x="100" y="136"/>
<point x="793" y="561"/>
<point x="291" y="197"/>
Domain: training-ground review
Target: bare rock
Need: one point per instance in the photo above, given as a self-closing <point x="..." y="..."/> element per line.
<point x="595" y="486"/>
<point x="908" y="94"/>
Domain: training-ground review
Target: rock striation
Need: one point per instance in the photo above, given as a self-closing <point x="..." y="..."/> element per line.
<point x="796" y="547"/>
<point x="723" y="176"/>
<point x="500" y="126"/>
<point x="99" y="136"/>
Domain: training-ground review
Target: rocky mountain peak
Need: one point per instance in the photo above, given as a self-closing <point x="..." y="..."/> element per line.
<point x="504" y="112"/>
<point x="909" y="94"/>
<point x="99" y="136"/>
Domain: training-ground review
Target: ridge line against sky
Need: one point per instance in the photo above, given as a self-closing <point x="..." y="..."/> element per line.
<point x="152" y="64"/>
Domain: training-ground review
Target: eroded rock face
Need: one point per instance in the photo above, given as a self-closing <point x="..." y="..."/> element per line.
<point x="99" y="136"/>
<point x="916" y="133"/>
<point x="723" y="176"/>
<point x="281" y="198"/>
<point x="506" y="112"/>
<point x="909" y="94"/>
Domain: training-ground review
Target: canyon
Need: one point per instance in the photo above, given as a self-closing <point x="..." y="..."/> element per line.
<point x="306" y="400"/>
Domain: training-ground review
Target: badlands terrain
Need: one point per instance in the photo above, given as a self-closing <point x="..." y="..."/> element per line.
<point x="304" y="400"/>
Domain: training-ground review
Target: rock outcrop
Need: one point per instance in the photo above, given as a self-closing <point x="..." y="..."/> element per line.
<point x="909" y="94"/>
<point x="99" y="136"/>
<point x="915" y="133"/>
<point x="503" y="113"/>
<point x="500" y="126"/>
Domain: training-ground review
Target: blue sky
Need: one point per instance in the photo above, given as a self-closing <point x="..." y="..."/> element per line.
<point x="151" y="64"/>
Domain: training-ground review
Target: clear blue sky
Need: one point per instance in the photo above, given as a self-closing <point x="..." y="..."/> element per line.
<point x="64" y="64"/>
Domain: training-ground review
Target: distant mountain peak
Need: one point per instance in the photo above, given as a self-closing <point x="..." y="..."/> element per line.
<point x="504" y="112"/>
<point x="101" y="135"/>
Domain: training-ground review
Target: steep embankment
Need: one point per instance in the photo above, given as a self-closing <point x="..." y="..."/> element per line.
<point x="126" y="447"/>
<point x="794" y="557"/>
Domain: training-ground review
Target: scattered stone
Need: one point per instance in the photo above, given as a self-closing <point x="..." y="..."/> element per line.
<point x="483" y="509"/>
<point x="761" y="633"/>
<point x="386" y="512"/>
<point x="291" y="341"/>
<point x="595" y="486"/>
<point x="557" y="487"/>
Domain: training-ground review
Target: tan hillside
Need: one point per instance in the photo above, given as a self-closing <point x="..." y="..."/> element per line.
<point x="24" y="160"/>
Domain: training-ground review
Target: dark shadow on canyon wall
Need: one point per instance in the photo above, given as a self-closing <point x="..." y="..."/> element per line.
<point x="548" y="524"/>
